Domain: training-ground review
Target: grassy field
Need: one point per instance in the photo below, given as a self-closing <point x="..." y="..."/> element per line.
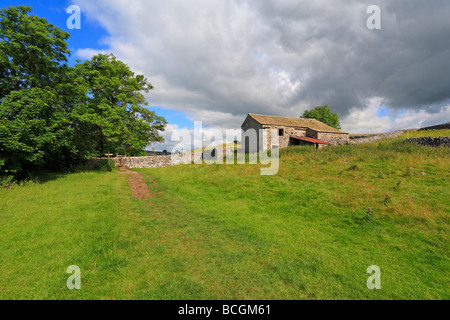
<point x="226" y="232"/>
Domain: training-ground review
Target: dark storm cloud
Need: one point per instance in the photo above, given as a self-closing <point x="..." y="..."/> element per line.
<point x="406" y="62"/>
<point x="222" y="59"/>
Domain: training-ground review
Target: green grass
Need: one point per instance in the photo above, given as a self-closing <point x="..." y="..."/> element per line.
<point x="226" y="232"/>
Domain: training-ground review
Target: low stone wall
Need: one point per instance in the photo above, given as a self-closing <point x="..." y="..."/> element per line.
<point x="357" y="139"/>
<point x="152" y="161"/>
<point x="161" y="161"/>
<point x="432" y="141"/>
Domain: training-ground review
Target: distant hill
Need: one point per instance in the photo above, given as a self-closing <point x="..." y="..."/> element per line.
<point x="438" y="127"/>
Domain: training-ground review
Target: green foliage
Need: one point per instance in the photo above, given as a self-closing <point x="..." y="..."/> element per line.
<point x="6" y="181"/>
<point x="325" y="115"/>
<point x="369" y="215"/>
<point x="34" y="131"/>
<point x="52" y="115"/>
<point x="112" y="114"/>
<point x="408" y="172"/>
<point x="366" y="219"/>
<point x="31" y="51"/>
<point x="105" y="165"/>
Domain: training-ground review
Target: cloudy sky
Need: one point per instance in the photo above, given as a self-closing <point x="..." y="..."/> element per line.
<point x="216" y="61"/>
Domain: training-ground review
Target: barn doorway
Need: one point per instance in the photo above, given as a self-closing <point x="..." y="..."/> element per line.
<point x="294" y="142"/>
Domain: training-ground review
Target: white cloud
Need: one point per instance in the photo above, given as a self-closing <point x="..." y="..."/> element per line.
<point x="219" y="60"/>
<point x="201" y="56"/>
<point x="186" y="139"/>
<point x="88" y="53"/>
<point x="368" y="120"/>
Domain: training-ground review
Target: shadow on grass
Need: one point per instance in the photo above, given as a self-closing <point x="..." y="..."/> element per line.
<point x="49" y="174"/>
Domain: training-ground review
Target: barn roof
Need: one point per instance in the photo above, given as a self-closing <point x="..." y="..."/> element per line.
<point x="294" y="122"/>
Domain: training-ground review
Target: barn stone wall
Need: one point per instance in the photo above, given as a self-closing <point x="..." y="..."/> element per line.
<point x="333" y="138"/>
<point x="312" y="133"/>
<point x="288" y="132"/>
<point x="250" y="123"/>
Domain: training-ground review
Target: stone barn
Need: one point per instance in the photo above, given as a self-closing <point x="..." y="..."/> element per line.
<point x="291" y="132"/>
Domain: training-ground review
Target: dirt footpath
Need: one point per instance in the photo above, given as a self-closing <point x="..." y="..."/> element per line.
<point x="139" y="189"/>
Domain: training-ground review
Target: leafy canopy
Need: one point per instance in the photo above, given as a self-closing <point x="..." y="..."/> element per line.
<point x="31" y="50"/>
<point x="34" y="131"/>
<point x="325" y="115"/>
<point x="113" y="109"/>
<point x="53" y="115"/>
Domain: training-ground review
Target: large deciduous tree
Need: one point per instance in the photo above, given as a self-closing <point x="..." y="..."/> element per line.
<point x="34" y="132"/>
<point x="31" y="51"/>
<point x="34" y="127"/>
<point x="114" y="112"/>
<point x="53" y="115"/>
<point x="325" y="115"/>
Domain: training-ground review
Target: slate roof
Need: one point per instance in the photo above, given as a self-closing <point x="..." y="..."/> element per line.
<point x="294" y="122"/>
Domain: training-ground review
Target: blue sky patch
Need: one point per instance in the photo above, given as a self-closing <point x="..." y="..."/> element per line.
<point x="54" y="12"/>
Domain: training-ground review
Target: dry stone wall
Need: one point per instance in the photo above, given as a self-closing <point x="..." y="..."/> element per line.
<point x="152" y="161"/>
<point x="357" y="139"/>
<point x="166" y="160"/>
<point x="432" y="141"/>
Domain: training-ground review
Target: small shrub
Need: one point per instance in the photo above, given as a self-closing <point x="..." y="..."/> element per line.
<point x="368" y="218"/>
<point x="369" y="215"/>
<point x="409" y="172"/>
<point x="380" y="174"/>
<point x="105" y="165"/>
<point x="397" y="186"/>
<point x="387" y="199"/>
<point x="6" y="181"/>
